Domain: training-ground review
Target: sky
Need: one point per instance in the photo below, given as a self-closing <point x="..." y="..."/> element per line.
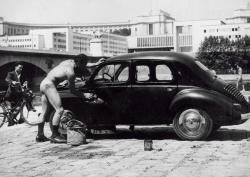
<point x="105" y="11"/>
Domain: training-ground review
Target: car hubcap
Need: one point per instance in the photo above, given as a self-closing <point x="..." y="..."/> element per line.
<point x="192" y="122"/>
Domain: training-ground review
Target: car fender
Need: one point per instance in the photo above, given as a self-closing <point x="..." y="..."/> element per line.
<point x="216" y="104"/>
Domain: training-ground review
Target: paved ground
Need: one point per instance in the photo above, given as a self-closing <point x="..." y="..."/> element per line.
<point x="226" y="153"/>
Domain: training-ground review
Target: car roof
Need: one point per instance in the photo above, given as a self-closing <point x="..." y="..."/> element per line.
<point x="156" y="55"/>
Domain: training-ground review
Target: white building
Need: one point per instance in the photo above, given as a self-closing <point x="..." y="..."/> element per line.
<point x="189" y="34"/>
<point x="154" y="31"/>
<point x="240" y="16"/>
<point x="23" y="41"/>
<point x="233" y="28"/>
<point x="106" y="44"/>
<point x="64" y="39"/>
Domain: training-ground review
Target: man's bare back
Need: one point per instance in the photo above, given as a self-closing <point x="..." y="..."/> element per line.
<point x="63" y="71"/>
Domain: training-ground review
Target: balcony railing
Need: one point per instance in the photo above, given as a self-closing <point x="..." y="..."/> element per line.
<point x="184" y="40"/>
<point x="153" y="41"/>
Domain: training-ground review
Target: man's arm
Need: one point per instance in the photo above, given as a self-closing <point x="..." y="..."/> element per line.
<point x="95" y="64"/>
<point x="78" y="93"/>
<point x="10" y="79"/>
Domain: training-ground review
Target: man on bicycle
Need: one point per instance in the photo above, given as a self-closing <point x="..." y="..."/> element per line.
<point x="66" y="70"/>
<point x="14" y="91"/>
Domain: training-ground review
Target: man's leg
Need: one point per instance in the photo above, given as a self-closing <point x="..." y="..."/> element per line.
<point x="45" y="106"/>
<point x="55" y="100"/>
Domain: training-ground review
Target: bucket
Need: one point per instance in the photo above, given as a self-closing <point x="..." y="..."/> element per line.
<point x="66" y="117"/>
<point x="75" y="133"/>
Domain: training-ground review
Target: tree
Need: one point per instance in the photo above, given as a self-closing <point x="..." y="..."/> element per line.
<point x="122" y="32"/>
<point x="222" y="54"/>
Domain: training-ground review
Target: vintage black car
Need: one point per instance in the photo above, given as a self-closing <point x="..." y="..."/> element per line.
<point x="153" y="88"/>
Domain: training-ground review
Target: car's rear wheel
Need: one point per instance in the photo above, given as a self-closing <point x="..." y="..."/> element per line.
<point x="193" y="124"/>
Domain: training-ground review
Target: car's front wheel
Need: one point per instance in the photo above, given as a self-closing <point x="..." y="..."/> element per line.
<point x="193" y="124"/>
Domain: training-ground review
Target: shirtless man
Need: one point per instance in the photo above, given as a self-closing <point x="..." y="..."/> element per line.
<point x="66" y="70"/>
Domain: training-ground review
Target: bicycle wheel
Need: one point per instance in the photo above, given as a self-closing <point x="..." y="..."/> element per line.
<point x="3" y="115"/>
<point x="30" y="117"/>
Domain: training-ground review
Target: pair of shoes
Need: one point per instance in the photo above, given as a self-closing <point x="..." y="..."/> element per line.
<point x="41" y="138"/>
<point x="20" y="121"/>
<point x="57" y="139"/>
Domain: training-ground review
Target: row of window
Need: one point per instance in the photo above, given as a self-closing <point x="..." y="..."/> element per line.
<point x="80" y="49"/>
<point x="115" y="51"/>
<point x="59" y="34"/>
<point x="59" y="40"/>
<point x="80" y="43"/>
<point x="80" y="38"/>
<point x="120" y="73"/>
<point x="22" y="46"/>
<point x="19" y="40"/>
<point x="99" y="28"/>
<point x="236" y="36"/>
<point x="113" y="47"/>
<point x="60" y="46"/>
<point x="221" y="30"/>
<point x="13" y="31"/>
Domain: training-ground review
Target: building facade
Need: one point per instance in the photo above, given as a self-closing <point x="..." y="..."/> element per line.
<point x="66" y="40"/>
<point x="106" y="44"/>
<point x="23" y="41"/>
<point x="154" y="31"/>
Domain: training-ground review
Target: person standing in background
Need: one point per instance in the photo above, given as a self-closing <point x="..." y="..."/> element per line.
<point x="239" y="83"/>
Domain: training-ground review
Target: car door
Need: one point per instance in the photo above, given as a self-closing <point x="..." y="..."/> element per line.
<point x="153" y="87"/>
<point x="111" y="84"/>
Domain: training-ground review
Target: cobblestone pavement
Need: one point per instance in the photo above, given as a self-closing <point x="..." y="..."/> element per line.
<point x="226" y="153"/>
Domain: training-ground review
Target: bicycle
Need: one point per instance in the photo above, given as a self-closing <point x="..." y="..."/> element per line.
<point x="22" y="109"/>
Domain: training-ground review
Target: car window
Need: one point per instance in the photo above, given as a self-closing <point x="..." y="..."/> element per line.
<point x="163" y="73"/>
<point x="124" y="75"/>
<point x="142" y="73"/>
<point x="113" y="73"/>
<point x="107" y="72"/>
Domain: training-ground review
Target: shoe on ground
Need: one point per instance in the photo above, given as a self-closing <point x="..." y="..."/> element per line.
<point x="57" y="139"/>
<point x="41" y="138"/>
<point x="20" y="121"/>
<point x="11" y="124"/>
